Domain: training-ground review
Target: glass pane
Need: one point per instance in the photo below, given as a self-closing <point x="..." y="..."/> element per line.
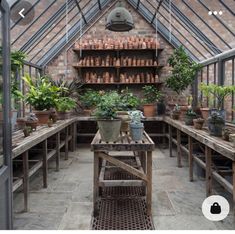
<point x="1" y="99"/>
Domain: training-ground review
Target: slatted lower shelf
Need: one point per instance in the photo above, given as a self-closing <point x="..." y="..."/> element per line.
<point x="122" y="214"/>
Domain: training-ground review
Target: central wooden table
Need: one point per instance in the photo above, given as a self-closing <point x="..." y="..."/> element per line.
<point x="142" y="153"/>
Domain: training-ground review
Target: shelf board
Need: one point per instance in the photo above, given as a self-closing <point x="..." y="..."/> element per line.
<point x="119" y="83"/>
<point x="119" y="67"/>
<point x="116" y="50"/>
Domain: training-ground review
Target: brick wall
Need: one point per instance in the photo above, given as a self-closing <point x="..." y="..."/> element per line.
<point x="61" y="66"/>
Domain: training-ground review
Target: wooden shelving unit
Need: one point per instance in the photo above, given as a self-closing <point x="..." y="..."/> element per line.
<point x="150" y="72"/>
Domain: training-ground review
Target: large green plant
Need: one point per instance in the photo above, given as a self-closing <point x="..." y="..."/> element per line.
<point x="90" y="98"/>
<point x="128" y="101"/>
<point x="109" y="104"/>
<point x="183" y="71"/>
<point x="217" y="92"/>
<point x="151" y="94"/>
<point x="64" y="104"/>
<point x="42" y="95"/>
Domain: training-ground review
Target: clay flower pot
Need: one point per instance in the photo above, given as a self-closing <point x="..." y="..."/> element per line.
<point x="198" y="123"/>
<point x="149" y="110"/>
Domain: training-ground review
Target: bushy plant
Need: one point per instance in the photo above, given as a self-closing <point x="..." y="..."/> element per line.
<point x="128" y="101"/>
<point x="151" y="94"/>
<point x="42" y="95"/>
<point x="184" y="71"/>
<point x="217" y="92"/>
<point x="64" y="104"/>
<point x="90" y="98"/>
<point x="190" y="112"/>
<point x="108" y="105"/>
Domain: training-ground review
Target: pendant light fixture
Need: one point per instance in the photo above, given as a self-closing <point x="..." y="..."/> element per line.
<point x="119" y="19"/>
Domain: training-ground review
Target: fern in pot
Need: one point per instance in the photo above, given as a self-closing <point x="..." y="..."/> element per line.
<point x="136" y="126"/>
<point x="106" y="113"/>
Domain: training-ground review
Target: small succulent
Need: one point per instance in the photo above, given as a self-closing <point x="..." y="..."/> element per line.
<point x="32" y="117"/>
<point x="136" y="116"/>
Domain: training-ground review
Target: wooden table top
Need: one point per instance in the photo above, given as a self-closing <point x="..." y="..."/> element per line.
<point x="20" y="144"/>
<point x="216" y="143"/>
<point x="124" y="143"/>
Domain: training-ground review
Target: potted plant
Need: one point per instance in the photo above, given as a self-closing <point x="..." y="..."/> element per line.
<point x="63" y="106"/>
<point x="151" y="96"/>
<point x="106" y="114"/>
<point x="183" y="72"/>
<point x="232" y="139"/>
<point x="32" y="121"/>
<point x="226" y="133"/>
<point x="216" y="124"/>
<point x="176" y="112"/>
<point x="89" y="100"/>
<point x="136" y="127"/>
<point x="190" y="116"/>
<point x="42" y="95"/>
<point x="217" y="94"/>
<point x="128" y="102"/>
<point x="198" y="123"/>
<point x="27" y="130"/>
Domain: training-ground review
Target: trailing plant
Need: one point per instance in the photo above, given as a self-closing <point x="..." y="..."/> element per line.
<point x="184" y="71"/>
<point x="64" y="104"/>
<point x="217" y="92"/>
<point x="108" y="105"/>
<point x="151" y="94"/>
<point x="128" y="101"/>
<point x="42" y="95"/>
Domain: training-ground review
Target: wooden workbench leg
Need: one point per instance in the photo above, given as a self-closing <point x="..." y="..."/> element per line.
<point x="66" y="143"/>
<point x="164" y="133"/>
<point x="190" y="157"/>
<point x="143" y="160"/>
<point x="95" y="183"/>
<point x="26" y="179"/>
<point x="179" y="148"/>
<point x="234" y="189"/>
<point x="74" y="136"/>
<point x="58" y="151"/>
<point x="149" y="183"/>
<point x="170" y="139"/>
<point x="44" y="163"/>
<point x="208" y="171"/>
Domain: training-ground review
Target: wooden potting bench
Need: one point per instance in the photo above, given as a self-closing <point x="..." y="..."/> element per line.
<point x="105" y="155"/>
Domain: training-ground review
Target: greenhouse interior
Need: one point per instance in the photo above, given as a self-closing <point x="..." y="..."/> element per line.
<point x="117" y="115"/>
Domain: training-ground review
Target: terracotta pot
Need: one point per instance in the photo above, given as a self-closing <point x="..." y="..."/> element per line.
<point x="63" y="115"/>
<point x="205" y="112"/>
<point x="175" y="115"/>
<point x="123" y="115"/>
<point x="149" y="110"/>
<point x="21" y="123"/>
<point x="32" y="124"/>
<point x="198" y="123"/>
<point x="43" y="116"/>
<point x="183" y="110"/>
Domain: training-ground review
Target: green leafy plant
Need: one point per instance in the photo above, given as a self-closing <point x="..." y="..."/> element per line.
<point x="64" y="104"/>
<point x="128" y="101"/>
<point x="42" y="95"/>
<point x="190" y="112"/>
<point x="217" y="92"/>
<point x="151" y="94"/>
<point x="184" y="71"/>
<point x="108" y="105"/>
<point x="90" y="98"/>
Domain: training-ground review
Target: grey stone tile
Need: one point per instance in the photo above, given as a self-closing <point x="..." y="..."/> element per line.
<point x="183" y="222"/>
<point x="77" y="217"/>
<point x="84" y="192"/>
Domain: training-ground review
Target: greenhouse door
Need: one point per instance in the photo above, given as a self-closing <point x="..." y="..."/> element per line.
<point x="5" y="123"/>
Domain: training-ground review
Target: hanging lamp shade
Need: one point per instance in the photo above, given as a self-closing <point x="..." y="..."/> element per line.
<point x="119" y="19"/>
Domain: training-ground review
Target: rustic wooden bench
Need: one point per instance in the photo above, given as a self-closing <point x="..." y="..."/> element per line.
<point x="143" y="154"/>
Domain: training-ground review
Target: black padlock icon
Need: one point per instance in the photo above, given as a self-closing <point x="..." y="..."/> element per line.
<point x="215" y="208"/>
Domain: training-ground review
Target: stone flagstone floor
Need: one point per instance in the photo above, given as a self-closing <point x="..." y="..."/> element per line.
<point x="67" y="202"/>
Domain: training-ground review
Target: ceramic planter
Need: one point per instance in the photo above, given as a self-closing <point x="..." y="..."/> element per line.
<point x="198" y="123"/>
<point x="123" y="115"/>
<point x="43" y="116"/>
<point x="32" y="124"/>
<point x="109" y="129"/>
<point x="149" y="110"/>
<point x="215" y="128"/>
<point x="136" y="131"/>
<point x="161" y="108"/>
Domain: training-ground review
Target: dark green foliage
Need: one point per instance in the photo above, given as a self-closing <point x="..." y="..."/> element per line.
<point x="184" y="71"/>
<point x="151" y="94"/>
